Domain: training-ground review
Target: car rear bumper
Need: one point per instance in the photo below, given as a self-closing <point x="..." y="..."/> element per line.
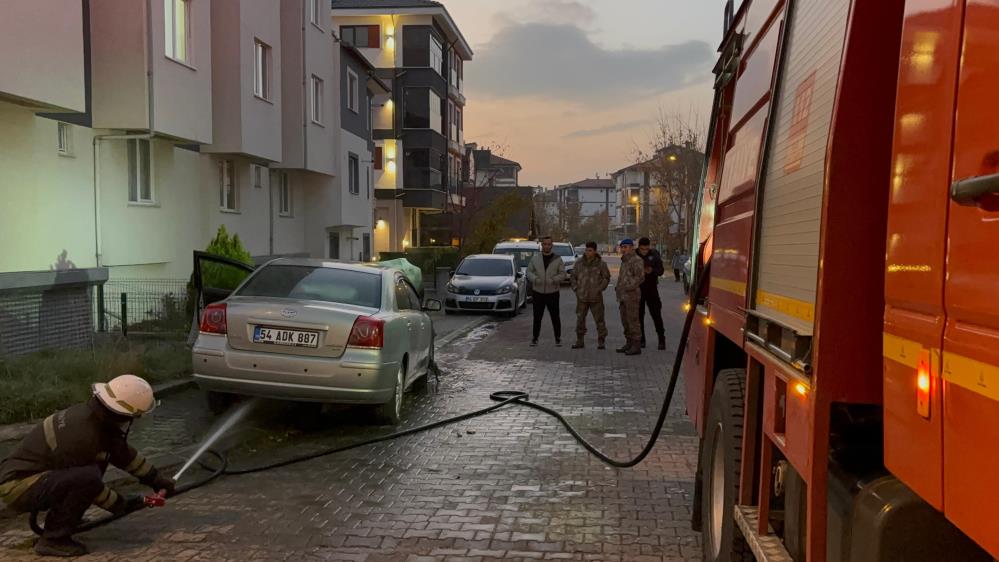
<point x="359" y="376"/>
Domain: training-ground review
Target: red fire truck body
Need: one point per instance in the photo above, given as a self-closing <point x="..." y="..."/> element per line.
<point x="844" y="371"/>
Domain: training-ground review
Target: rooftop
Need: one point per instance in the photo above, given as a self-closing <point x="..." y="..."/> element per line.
<point x="592" y="183"/>
<point x="359" y="7"/>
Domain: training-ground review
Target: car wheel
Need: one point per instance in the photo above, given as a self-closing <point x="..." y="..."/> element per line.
<point x="391" y="411"/>
<point x="721" y="453"/>
<point x="218" y="402"/>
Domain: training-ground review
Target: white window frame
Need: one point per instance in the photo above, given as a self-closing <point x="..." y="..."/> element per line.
<point x="227" y="181"/>
<point x="285" y="200"/>
<point x="353" y="84"/>
<point x="64" y="139"/>
<point x="172" y="48"/>
<point x="316" y="13"/>
<point x="353" y="174"/>
<point x="257" y="176"/>
<point x="262" y="72"/>
<point x="436" y="55"/>
<point x="143" y="169"/>
<point x="318" y="89"/>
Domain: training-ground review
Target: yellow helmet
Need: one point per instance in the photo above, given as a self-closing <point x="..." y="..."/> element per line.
<point x="127" y="395"/>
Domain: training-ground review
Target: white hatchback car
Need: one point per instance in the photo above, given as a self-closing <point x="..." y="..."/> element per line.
<point x="486" y="283"/>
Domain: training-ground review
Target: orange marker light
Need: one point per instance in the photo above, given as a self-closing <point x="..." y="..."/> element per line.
<point x="923" y="384"/>
<point x="686" y="307"/>
<point x="801" y="389"/>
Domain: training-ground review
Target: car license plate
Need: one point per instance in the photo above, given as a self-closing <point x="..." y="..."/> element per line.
<point x="477" y="299"/>
<point x="278" y="336"/>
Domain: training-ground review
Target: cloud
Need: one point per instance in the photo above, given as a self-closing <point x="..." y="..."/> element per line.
<point x="562" y="11"/>
<point x="612" y="128"/>
<point x="560" y="61"/>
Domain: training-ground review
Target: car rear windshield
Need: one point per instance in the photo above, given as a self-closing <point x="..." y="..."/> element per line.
<point x="523" y="256"/>
<point x="485" y="268"/>
<point x="304" y="282"/>
<point x="561" y="250"/>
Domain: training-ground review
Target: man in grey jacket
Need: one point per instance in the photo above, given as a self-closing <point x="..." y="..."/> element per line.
<point x="546" y="272"/>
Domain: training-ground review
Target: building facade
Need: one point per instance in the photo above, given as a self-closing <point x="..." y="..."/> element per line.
<point x="419" y="53"/>
<point x="486" y="169"/>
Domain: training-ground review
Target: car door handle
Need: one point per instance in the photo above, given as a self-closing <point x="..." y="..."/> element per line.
<point x="969" y="190"/>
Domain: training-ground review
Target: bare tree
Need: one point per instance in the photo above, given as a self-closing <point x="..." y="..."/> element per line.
<point x="673" y="159"/>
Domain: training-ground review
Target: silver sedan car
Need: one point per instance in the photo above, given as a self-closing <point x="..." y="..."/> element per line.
<point x="319" y="331"/>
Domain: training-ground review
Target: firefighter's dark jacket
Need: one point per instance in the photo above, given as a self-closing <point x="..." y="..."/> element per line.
<point x="82" y="435"/>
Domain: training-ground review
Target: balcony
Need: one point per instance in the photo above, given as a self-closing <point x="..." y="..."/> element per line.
<point x="42" y="55"/>
<point x="159" y="80"/>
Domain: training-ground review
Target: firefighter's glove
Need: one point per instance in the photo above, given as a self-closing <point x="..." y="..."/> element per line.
<point x="128" y="504"/>
<point x="161" y="482"/>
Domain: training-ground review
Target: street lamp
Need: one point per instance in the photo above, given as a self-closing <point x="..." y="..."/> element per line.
<point x="635" y="201"/>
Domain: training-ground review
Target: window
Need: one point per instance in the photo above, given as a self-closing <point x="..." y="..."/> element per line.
<point x="436" y="115"/>
<point x="317" y="100"/>
<point x="417" y="108"/>
<point x="334" y="244"/>
<point x="284" y="195"/>
<point x="304" y="282"/>
<point x="257" y="172"/>
<point x="227" y="185"/>
<point x="436" y="55"/>
<point x="379" y="158"/>
<point x="352" y="90"/>
<point x="261" y="69"/>
<point x="361" y="35"/>
<point x="316" y="12"/>
<point x="353" y="174"/>
<point x="405" y="296"/>
<point x="65" y="135"/>
<point x="177" y="29"/>
<point x="367" y="183"/>
<point x="140" y="189"/>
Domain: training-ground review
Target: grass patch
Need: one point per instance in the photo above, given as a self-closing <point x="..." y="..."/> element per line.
<point x="36" y="385"/>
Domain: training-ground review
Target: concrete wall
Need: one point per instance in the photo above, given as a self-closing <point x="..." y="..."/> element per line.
<point x="357" y="122"/>
<point x="41" y="52"/>
<point x="387" y="178"/>
<point x="182" y="94"/>
<point x="308" y="145"/>
<point x="119" y="95"/>
<point x="289" y="232"/>
<point x="48" y="199"/>
<point x="227" y="98"/>
<point x="251" y="218"/>
<point x="356" y="211"/>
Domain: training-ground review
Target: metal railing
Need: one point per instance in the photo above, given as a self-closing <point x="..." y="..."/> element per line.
<point x="144" y="306"/>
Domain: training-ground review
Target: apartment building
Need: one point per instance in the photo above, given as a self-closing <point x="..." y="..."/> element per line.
<point x="485" y="169"/>
<point x="632" y="186"/>
<point x="593" y="195"/>
<point x="418" y="51"/>
<point x="130" y="130"/>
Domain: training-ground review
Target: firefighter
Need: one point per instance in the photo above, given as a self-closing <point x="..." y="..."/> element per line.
<point x="59" y="466"/>
<point x="650" y="290"/>
<point x="629" y="278"/>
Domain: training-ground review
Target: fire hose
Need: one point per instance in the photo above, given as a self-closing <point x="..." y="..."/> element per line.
<point x="501" y="398"/>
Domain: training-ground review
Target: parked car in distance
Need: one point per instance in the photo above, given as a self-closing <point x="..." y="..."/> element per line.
<point x="317" y="331"/>
<point x="486" y="283"/>
<point x="565" y="251"/>
<point x="522" y="251"/>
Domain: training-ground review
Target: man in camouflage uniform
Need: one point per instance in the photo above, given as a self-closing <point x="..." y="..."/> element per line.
<point x="629" y="280"/>
<point x="589" y="279"/>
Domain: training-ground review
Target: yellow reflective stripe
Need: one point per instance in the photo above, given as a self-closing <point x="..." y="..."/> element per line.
<point x="729" y="286"/>
<point x="135" y="464"/>
<point x="901" y="350"/>
<point x="980" y="378"/>
<point x="106" y="499"/>
<point x="143" y="470"/>
<point x="799" y="309"/>
<point x="50" y="436"/>
<point x="11" y="490"/>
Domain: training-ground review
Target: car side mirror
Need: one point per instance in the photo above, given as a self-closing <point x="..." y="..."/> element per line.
<point x="520" y="275"/>
<point x="432" y="305"/>
<point x="450" y="273"/>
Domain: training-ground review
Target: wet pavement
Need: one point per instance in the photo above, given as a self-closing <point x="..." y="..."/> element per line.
<point x="512" y="485"/>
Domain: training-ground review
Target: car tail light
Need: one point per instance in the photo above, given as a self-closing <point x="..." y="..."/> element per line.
<point x="213" y="319"/>
<point x="367" y="332"/>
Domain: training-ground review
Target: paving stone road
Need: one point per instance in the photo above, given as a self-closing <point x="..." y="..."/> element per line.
<point x="510" y="486"/>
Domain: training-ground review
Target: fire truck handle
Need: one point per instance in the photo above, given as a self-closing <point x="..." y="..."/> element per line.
<point x="970" y="191"/>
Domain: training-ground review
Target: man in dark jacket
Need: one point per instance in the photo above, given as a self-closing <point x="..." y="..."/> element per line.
<point x="59" y="466"/>
<point x="650" y="290"/>
<point x="589" y="279"/>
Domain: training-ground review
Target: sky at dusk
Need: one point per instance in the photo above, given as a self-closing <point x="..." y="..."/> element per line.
<point x="571" y="88"/>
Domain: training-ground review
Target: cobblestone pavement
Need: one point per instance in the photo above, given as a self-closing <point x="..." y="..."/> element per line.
<point x="511" y="485"/>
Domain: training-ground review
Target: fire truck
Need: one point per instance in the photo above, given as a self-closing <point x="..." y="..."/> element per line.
<point x="843" y="371"/>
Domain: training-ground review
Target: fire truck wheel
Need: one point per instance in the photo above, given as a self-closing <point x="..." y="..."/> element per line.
<point x="721" y="451"/>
